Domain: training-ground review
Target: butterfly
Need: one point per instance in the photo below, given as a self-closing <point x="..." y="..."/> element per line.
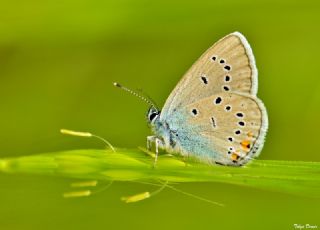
<point x="213" y="114"/>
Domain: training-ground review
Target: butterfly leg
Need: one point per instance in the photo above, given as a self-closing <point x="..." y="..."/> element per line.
<point x="157" y="152"/>
<point x="158" y="144"/>
<point x="150" y="140"/>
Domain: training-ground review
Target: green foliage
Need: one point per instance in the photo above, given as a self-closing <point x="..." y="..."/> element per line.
<point x="300" y="178"/>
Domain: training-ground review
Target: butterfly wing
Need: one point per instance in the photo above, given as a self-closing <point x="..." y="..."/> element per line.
<point x="228" y="128"/>
<point x="228" y="65"/>
<point x="213" y="111"/>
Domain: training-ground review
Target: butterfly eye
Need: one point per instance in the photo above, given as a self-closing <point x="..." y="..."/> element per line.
<point x="153" y="116"/>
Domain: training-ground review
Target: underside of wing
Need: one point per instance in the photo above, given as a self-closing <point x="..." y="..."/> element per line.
<point x="232" y="126"/>
<point x="228" y="66"/>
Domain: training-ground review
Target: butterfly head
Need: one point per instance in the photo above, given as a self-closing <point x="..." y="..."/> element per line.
<point x="153" y="115"/>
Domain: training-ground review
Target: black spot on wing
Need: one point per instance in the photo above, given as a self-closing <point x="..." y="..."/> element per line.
<point x="227" y="67"/>
<point x="213" y="122"/>
<point x="228" y="108"/>
<point x="194" y="112"/>
<point x="239" y="114"/>
<point x="204" y="80"/>
<point x="226" y="88"/>
<point x="218" y="100"/>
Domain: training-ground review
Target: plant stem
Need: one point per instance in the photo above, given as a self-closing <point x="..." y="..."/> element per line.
<point x="301" y="178"/>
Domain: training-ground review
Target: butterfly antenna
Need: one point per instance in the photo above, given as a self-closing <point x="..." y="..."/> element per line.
<point x="148" y="97"/>
<point x="145" y="99"/>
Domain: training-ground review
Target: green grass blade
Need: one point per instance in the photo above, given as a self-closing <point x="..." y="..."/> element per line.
<point x="300" y="178"/>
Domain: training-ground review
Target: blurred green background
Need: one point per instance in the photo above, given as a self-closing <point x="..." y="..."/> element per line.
<point x="58" y="60"/>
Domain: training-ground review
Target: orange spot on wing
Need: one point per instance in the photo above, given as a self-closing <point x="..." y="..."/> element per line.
<point x="234" y="156"/>
<point x="250" y="134"/>
<point x="245" y="145"/>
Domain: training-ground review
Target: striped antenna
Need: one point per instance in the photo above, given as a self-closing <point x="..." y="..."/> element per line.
<point x="145" y="99"/>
